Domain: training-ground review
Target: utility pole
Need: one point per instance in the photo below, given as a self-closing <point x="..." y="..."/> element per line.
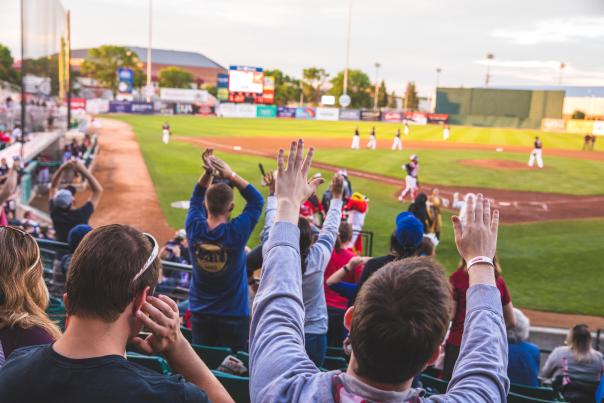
<point x="347" y="48"/>
<point x="68" y="65"/>
<point x="562" y="67"/>
<point x="438" y="71"/>
<point x="375" y="93"/>
<point x="149" y="61"/>
<point x="23" y="72"/>
<point x="487" y="79"/>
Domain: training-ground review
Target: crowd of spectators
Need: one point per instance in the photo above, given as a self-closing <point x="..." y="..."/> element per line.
<point x="304" y="288"/>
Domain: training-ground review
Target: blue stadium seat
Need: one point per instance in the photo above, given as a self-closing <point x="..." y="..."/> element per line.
<point x="237" y="386"/>
<point x="212" y="356"/>
<point x="535" y="392"/>
<point x="153" y="362"/>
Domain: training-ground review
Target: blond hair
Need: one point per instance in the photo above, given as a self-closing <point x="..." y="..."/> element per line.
<point x="23" y="294"/>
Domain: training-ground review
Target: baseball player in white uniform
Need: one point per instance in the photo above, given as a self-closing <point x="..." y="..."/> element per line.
<point x="372" y="142"/>
<point x="411" y="182"/>
<point x="356" y="140"/>
<point x="166" y="133"/>
<point x="397" y="144"/>
<point x="406" y="128"/>
<point x="446" y="132"/>
<point x="536" y="154"/>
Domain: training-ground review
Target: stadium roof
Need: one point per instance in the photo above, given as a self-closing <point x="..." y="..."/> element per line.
<point x="163" y="56"/>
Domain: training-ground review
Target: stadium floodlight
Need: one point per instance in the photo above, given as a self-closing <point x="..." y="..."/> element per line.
<point x="438" y="71"/>
<point x="375" y="92"/>
<point x="562" y="67"/>
<point x="347" y="48"/>
<point x="147" y="90"/>
<point x="487" y="79"/>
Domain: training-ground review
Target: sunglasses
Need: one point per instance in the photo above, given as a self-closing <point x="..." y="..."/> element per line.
<point x="25" y="235"/>
<point x="152" y="257"/>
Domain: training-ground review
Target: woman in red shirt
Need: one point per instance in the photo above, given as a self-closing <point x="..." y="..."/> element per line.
<point x="460" y="282"/>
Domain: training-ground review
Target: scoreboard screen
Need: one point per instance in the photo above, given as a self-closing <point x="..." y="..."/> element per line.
<point x="246" y="79"/>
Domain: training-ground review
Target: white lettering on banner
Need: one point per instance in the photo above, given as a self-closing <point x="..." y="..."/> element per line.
<point x="598" y="128"/>
<point x="328" y="114"/>
<point x="328" y="100"/>
<point x="183" y="95"/>
<point x="237" y="110"/>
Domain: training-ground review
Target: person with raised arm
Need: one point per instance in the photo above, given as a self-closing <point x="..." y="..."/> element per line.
<point x="397" y="324"/>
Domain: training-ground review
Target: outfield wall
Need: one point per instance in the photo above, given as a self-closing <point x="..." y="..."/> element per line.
<point x="499" y="108"/>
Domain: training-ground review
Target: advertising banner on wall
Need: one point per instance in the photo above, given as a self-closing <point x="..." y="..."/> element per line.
<point x="266" y="111"/>
<point x="371" y="115"/>
<point x="222" y="87"/>
<point x="328" y="114"/>
<point x="305" y="113"/>
<point x="392" y="116"/>
<point x="286" y="112"/>
<point x="120" y="107"/>
<point x="236" y="110"/>
<point x="125" y="83"/>
<point x="183" y="95"/>
<point x="142" y="107"/>
<point x="437" y="118"/>
<point x="97" y="105"/>
<point x="579" y="126"/>
<point x="598" y="128"/>
<point x="268" y="94"/>
<point x="78" y="103"/>
<point x="416" y="118"/>
<point x="553" y="125"/>
<point x="350" y="114"/>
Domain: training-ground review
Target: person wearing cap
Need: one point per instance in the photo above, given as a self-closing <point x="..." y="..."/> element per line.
<point x="411" y="180"/>
<point x="176" y="249"/>
<point x="62" y="212"/>
<point x="60" y="265"/>
<point x="404" y="242"/>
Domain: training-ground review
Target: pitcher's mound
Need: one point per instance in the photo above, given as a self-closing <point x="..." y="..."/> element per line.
<point x="495" y="164"/>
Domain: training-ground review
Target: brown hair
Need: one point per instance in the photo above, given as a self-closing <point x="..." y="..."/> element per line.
<point x="219" y="198"/>
<point x="306" y="240"/>
<point x="579" y="340"/>
<point x="344" y="235"/>
<point x="400" y="318"/>
<point x="100" y="280"/>
<point x="23" y="294"/>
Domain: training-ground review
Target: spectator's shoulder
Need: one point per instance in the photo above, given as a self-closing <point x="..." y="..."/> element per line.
<point x="22" y="358"/>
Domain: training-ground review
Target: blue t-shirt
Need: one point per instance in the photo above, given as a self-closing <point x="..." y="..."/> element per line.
<point x="219" y="285"/>
<point x="523" y="363"/>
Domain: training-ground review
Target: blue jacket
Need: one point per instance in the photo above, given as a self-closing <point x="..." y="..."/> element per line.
<point x="219" y="285"/>
<point x="523" y="363"/>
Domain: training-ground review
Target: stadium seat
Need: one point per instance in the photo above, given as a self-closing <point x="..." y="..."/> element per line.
<point x="516" y="398"/>
<point x="332" y="363"/>
<point x="152" y="362"/>
<point x="56" y="312"/>
<point x="433" y="386"/>
<point x="212" y="356"/>
<point x="187" y="333"/>
<point x="535" y="392"/>
<point x="237" y="386"/>
<point x="337" y="352"/>
<point x="244" y="357"/>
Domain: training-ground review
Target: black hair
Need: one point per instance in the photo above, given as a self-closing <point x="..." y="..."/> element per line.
<point x="306" y="240"/>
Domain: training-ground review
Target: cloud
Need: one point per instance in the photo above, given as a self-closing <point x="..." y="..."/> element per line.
<point x="555" y="31"/>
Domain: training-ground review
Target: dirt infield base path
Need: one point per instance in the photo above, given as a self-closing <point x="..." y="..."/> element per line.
<point x="129" y="196"/>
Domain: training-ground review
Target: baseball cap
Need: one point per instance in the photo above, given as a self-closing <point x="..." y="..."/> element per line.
<point x="63" y="199"/>
<point x="181" y="233"/>
<point x="414" y="157"/>
<point x="76" y="234"/>
<point x="409" y="230"/>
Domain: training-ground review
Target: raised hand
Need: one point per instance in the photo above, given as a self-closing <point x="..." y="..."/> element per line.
<point x="223" y="169"/>
<point x="292" y="185"/>
<point x="477" y="234"/>
<point x="337" y="186"/>
<point x="160" y="316"/>
<point x="205" y="158"/>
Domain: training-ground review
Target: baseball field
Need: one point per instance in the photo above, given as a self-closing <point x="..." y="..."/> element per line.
<point x="550" y="240"/>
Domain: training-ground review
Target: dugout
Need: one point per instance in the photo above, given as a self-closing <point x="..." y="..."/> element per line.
<point x="499" y="107"/>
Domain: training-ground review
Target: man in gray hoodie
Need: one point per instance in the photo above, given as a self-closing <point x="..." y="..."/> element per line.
<point x="396" y="326"/>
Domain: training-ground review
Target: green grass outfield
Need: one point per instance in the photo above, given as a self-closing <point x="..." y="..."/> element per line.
<point x="552" y="266"/>
<point x="561" y="175"/>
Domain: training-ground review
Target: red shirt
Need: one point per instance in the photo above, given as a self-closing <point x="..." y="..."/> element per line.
<point x="460" y="282"/>
<point x="337" y="261"/>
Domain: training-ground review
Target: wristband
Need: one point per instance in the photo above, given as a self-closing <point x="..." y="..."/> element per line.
<point x="480" y="259"/>
<point x="233" y="175"/>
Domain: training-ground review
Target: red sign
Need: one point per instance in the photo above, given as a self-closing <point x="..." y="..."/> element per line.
<point x="78" y="103"/>
<point x="438" y="118"/>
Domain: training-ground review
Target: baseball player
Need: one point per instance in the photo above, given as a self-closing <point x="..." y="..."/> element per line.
<point x="406" y="128"/>
<point x="166" y="133"/>
<point x="536" y="154"/>
<point x="356" y="139"/>
<point x="411" y="180"/>
<point x="372" y="142"/>
<point x="397" y="144"/>
<point x="446" y="132"/>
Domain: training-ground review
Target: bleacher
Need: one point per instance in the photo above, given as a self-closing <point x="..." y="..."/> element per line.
<point x="238" y="386"/>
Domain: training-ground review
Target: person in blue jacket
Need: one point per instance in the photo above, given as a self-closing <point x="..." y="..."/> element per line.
<point x="218" y="293"/>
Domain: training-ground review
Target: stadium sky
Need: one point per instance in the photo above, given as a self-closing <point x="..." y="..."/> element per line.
<point x="529" y="38"/>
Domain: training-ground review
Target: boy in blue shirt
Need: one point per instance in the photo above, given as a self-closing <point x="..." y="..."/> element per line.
<point x="218" y="293"/>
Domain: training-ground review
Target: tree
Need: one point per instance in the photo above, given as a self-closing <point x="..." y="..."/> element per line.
<point x="411" y="100"/>
<point x="211" y="89"/>
<point x="312" y="84"/>
<point x="7" y="72"/>
<point x="359" y="88"/>
<point x="287" y="89"/>
<point x="382" y="100"/>
<point x="175" y="77"/>
<point x="578" y="115"/>
<point x="392" y="100"/>
<point x="102" y="64"/>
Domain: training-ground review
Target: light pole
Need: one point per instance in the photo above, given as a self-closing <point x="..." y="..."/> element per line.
<point x="562" y="67"/>
<point x="149" y="61"/>
<point x="347" y="48"/>
<point x="487" y="79"/>
<point x="375" y="93"/>
<point x="438" y="71"/>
